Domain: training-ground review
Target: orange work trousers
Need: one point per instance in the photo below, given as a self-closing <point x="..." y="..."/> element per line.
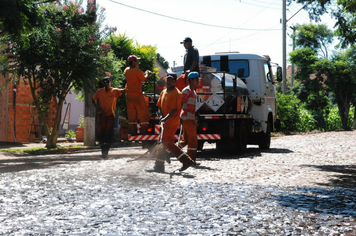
<point x="190" y="138"/>
<point x="168" y="142"/>
<point x="136" y="104"/>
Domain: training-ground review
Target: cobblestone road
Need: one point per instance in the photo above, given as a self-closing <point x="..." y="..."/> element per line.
<point x="304" y="185"/>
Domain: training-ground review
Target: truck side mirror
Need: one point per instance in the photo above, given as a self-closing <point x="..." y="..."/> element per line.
<point x="279" y="74"/>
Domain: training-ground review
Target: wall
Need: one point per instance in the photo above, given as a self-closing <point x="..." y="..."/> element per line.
<point x="77" y="109"/>
<point x="15" y="120"/>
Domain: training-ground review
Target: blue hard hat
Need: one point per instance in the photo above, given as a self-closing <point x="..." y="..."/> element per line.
<point x="193" y="75"/>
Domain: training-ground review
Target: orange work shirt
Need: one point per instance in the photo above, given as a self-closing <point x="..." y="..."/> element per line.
<point x="182" y="82"/>
<point x="168" y="101"/>
<point x="134" y="80"/>
<point x="107" y="100"/>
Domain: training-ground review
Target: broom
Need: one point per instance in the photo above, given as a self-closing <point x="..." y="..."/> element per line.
<point x="151" y="150"/>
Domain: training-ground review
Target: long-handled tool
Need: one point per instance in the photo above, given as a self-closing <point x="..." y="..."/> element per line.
<point x="143" y="157"/>
<point x="180" y="133"/>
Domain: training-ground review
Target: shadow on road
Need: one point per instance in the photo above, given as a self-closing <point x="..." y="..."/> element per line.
<point x="336" y="201"/>
<point x="212" y="154"/>
<point x="344" y="177"/>
<point x="18" y="164"/>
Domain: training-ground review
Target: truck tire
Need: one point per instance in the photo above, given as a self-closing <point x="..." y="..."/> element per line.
<point x="242" y="137"/>
<point x="265" y="138"/>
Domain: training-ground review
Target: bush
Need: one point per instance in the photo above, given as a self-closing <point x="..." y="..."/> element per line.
<point x="307" y="121"/>
<point x="333" y="120"/>
<point x="70" y="134"/>
<point x="288" y="112"/>
<point x="293" y="114"/>
<point x="295" y="117"/>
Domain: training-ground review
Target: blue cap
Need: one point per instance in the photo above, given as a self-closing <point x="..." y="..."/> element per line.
<point x="193" y="75"/>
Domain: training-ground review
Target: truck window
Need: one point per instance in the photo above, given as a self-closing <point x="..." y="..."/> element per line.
<point x="238" y="67"/>
<point x="268" y="74"/>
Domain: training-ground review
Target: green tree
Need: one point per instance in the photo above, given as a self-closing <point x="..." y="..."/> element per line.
<point x="163" y="61"/>
<point x="338" y="77"/>
<point x="312" y="43"/>
<point x="344" y="11"/>
<point x="123" y="47"/>
<point x="64" y="52"/>
<point x="316" y="37"/>
<point x="17" y="15"/>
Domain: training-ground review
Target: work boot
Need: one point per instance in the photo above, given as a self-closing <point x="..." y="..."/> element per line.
<point x="187" y="165"/>
<point x="157" y="168"/>
<point x="195" y="163"/>
<point x="168" y="157"/>
<point x="104" y="151"/>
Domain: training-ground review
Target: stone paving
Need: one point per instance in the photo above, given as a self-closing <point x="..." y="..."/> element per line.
<point x="304" y="185"/>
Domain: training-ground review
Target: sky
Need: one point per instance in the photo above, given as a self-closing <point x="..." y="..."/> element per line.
<point x="246" y="26"/>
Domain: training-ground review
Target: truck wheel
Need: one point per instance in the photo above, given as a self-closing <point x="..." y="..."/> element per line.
<point x="242" y="137"/>
<point x="265" y="138"/>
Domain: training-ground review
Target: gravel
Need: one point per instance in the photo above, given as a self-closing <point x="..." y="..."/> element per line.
<point x="303" y="185"/>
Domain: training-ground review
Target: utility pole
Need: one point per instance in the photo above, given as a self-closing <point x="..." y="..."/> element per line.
<point x="292" y="79"/>
<point x="284" y="42"/>
<point x="89" y="108"/>
<point x="284" y="25"/>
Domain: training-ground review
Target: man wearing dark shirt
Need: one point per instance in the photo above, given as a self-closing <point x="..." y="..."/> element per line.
<point x="191" y="57"/>
<point x="191" y="63"/>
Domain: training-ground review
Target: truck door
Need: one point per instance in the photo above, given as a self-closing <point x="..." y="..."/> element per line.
<point x="270" y="99"/>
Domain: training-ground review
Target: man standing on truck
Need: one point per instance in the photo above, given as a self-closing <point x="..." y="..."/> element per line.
<point x="169" y="104"/>
<point x="135" y="101"/>
<point x="189" y="98"/>
<point x="105" y="103"/>
<point x="190" y="62"/>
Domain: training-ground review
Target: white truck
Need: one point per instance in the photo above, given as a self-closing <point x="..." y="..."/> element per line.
<point x="254" y="117"/>
<point x="236" y="102"/>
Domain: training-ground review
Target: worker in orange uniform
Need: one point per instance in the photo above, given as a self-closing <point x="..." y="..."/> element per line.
<point x="169" y="104"/>
<point x="189" y="98"/>
<point x="105" y="102"/>
<point x="135" y="101"/>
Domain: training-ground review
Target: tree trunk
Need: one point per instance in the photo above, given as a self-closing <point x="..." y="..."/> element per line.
<point x="53" y="136"/>
<point x="89" y="115"/>
<point x="344" y="109"/>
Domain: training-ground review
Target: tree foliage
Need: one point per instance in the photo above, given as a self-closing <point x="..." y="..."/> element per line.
<point x="320" y="75"/>
<point x="316" y="37"/>
<point x="344" y="11"/>
<point x="17" y="15"/>
<point x="163" y="61"/>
